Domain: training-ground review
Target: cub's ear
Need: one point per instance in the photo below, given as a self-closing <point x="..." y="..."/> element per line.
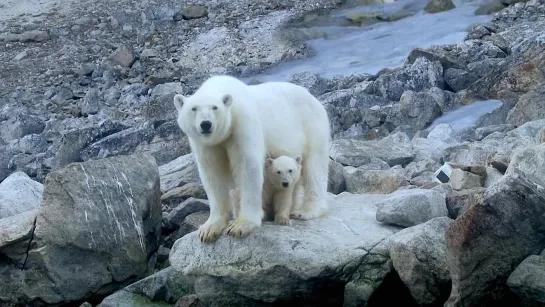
<point x="270" y="161"/>
<point x="299" y="160"/>
<point x="179" y="101"/>
<point x="227" y="100"/>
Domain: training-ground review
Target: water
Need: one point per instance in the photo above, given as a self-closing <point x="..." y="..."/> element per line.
<point x="466" y="116"/>
<point x="382" y="45"/>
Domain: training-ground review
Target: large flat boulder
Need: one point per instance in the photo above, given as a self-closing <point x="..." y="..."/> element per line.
<point x="309" y="262"/>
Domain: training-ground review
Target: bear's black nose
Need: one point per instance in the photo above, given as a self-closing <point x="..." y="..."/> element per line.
<point x="206" y="126"/>
<point x="285" y="184"/>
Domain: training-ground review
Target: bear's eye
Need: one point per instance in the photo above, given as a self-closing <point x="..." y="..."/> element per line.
<point x="278" y="172"/>
<point x="289" y="171"/>
<point x="194" y="109"/>
<point x="214" y="108"/>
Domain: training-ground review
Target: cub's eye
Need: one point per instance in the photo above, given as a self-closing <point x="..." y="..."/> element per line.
<point x="214" y="108"/>
<point x="194" y="109"/>
<point x="278" y="172"/>
<point x="289" y="171"/>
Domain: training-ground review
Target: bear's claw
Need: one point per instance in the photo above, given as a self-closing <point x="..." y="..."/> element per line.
<point x="210" y="232"/>
<point x="240" y="227"/>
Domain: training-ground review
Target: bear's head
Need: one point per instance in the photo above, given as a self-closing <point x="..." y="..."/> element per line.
<point x="204" y="118"/>
<point x="283" y="172"/>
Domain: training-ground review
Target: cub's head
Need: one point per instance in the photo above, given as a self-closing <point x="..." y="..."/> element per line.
<point x="283" y="172"/>
<point x="204" y="118"/>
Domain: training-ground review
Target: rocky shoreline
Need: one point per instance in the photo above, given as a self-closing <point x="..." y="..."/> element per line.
<point x="100" y="196"/>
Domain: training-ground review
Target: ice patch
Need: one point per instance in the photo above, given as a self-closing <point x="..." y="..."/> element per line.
<point x="466" y="116"/>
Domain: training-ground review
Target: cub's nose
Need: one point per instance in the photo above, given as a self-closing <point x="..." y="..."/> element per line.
<point x="285" y="184"/>
<point x="206" y="126"/>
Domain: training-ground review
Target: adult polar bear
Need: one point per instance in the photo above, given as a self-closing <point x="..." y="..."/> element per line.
<point x="232" y="127"/>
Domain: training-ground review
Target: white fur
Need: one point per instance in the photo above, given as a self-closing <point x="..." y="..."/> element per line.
<point x="279" y="190"/>
<point x="250" y="122"/>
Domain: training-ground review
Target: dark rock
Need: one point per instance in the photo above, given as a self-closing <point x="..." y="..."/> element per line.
<point x="414" y="109"/>
<point x="314" y="83"/>
<point x="436" y="6"/>
<point x="528" y="281"/>
<point x="192" y="12"/>
<point x="529" y="107"/>
<point x="336" y="183"/>
<point x="177" y="195"/>
<point x="459" y="79"/>
<point x="459" y="202"/>
<point x="191" y="205"/>
<point x="19" y="125"/>
<point x="511" y="213"/>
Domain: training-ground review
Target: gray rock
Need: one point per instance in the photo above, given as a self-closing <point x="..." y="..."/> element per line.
<point x="459" y="202"/>
<point x="511" y="213"/>
<point x="91" y="102"/>
<point x="177" y="195"/>
<point x="490" y="7"/>
<point x="436" y="6"/>
<point x="165" y="286"/>
<point x="293" y="263"/>
<point x="359" y="180"/>
<point x="482" y="132"/>
<point x="459" y="79"/>
<point x="414" y="109"/>
<point x="462" y="180"/>
<point x="178" y="172"/>
<point x="335" y="181"/>
<point x="17" y="227"/>
<point x="101" y="219"/>
<point x="529" y="107"/>
<point x="314" y="83"/>
<point x="492" y="176"/>
<point x="528" y="281"/>
<point x="123" y="56"/>
<point x="160" y="105"/>
<point x="120" y="143"/>
<point x="419" y="257"/>
<point x="62" y="95"/>
<point x="192" y="12"/>
<point x="419" y="76"/>
<point x="529" y="160"/>
<point x="415" y="169"/>
<point x="191" y="205"/>
<point x="18" y="194"/>
<point x="408" y="208"/>
<point x="19" y="125"/>
<point x="357" y="153"/>
<point x="443" y="133"/>
<point x="190" y="224"/>
<point x="27" y="36"/>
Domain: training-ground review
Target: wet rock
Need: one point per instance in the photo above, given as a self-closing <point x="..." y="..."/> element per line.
<point x="529" y="107"/>
<point x="359" y="180"/>
<point x="419" y="76"/>
<point x="459" y="202"/>
<point x="19" y="193"/>
<point x="305" y="258"/>
<point x="419" y="257"/>
<point x="408" y="208"/>
<point x="123" y="56"/>
<point x="336" y="183"/>
<point x="462" y="180"/>
<point x="436" y="6"/>
<point x="511" y="212"/>
<point x="528" y="281"/>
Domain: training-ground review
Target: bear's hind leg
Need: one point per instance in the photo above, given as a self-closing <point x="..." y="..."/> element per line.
<point x="314" y="181"/>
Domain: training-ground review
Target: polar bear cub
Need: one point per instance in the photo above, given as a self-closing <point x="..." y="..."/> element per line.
<point x="281" y="184"/>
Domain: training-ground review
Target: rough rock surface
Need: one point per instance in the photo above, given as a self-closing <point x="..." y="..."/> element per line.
<point x="19" y="193"/>
<point x="291" y="261"/>
<point x="528" y="281"/>
<point x="411" y="207"/>
<point x="511" y="212"/>
<point x="99" y="218"/>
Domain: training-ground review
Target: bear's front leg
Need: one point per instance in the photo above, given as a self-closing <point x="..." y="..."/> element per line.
<point x="216" y="178"/>
<point x="282" y="206"/>
<point x="247" y="166"/>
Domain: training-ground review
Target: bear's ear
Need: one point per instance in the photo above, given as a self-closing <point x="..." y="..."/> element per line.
<point x="299" y="160"/>
<point x="179" y="101"/>
<point x="227" y="100"/>
<point x="270" y="161"/>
